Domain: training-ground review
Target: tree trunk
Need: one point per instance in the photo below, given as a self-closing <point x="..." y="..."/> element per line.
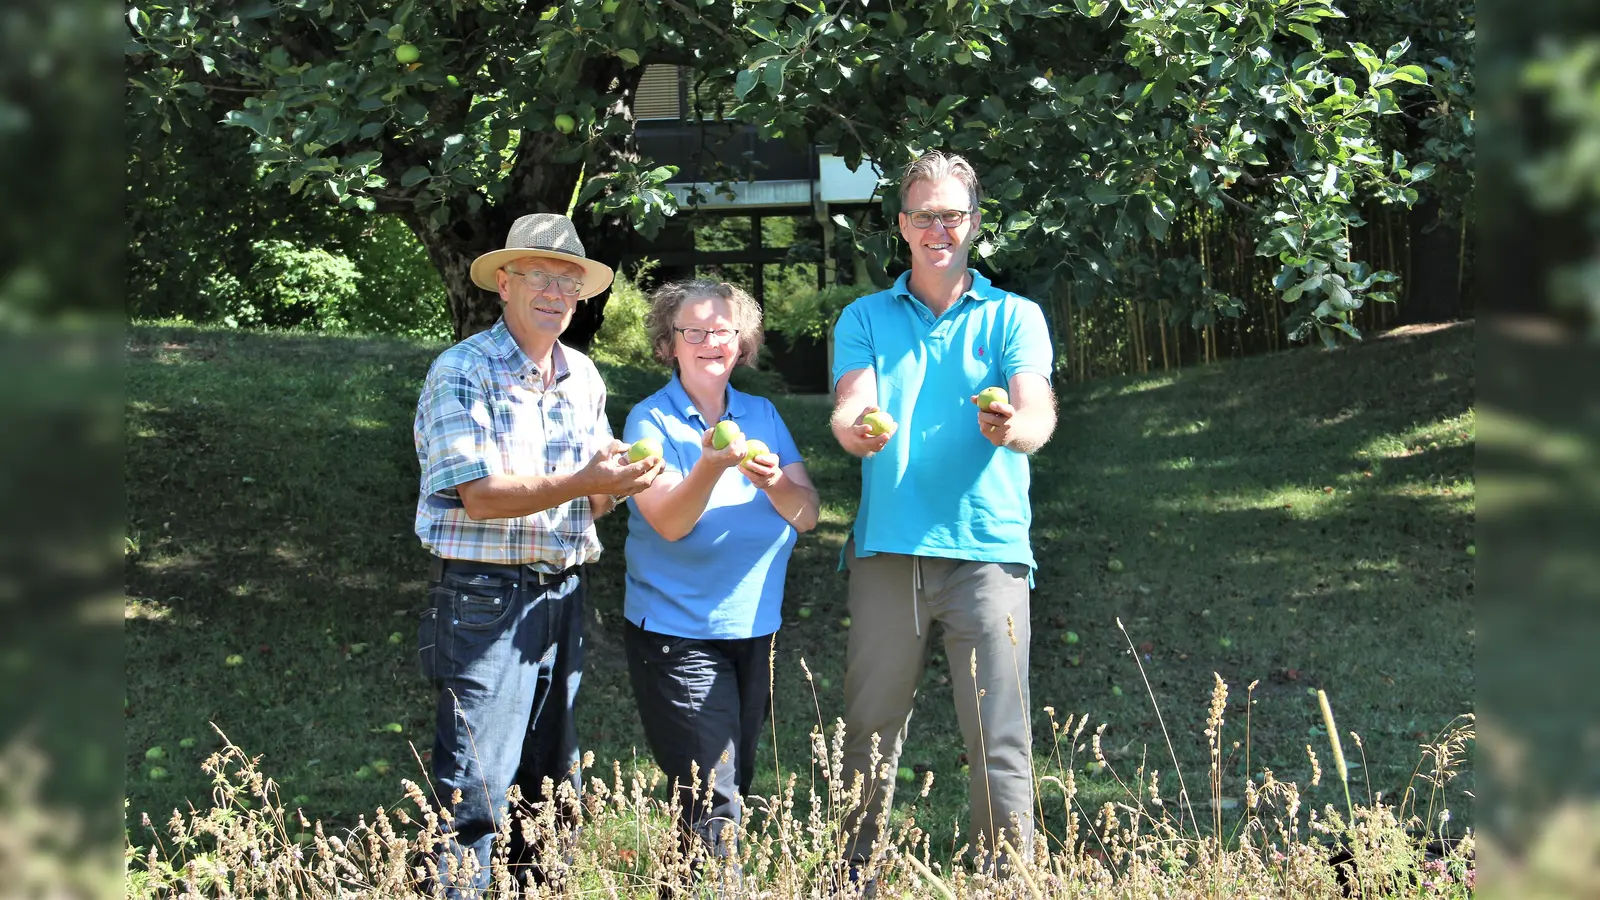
<point x="452" y="247"/>
<point x="1433" y="287"/>
<point x="543" y="178"/>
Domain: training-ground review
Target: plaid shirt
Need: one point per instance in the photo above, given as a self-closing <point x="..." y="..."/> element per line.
<point x="484" y="411"/>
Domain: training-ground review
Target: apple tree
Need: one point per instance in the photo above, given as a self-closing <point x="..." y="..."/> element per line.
<point x="1096" y="125"/>
<point x="456" y="116"/>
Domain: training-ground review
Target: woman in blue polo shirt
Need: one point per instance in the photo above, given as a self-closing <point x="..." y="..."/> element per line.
<point x="708" y="546"/>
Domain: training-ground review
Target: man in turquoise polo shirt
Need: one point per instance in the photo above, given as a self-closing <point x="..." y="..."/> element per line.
<point x="942" y="531"/>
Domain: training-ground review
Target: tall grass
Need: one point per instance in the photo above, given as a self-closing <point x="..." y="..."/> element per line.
<point x="1146" y="843"/>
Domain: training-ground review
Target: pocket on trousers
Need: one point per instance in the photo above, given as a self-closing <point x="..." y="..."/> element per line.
<point x="428" y="644"/>
<point x="480" y="603"/>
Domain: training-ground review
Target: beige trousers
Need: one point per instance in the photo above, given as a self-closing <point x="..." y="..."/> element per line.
<point x="983" y="608"/>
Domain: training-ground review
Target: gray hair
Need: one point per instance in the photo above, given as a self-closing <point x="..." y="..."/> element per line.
<point x="936" y="166"/>
<point x="665" y="301"/>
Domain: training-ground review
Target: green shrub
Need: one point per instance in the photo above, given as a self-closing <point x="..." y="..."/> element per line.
<point x="811" y="313"/>
<point x="622" y="339"/>
<point x="288" y="286"/>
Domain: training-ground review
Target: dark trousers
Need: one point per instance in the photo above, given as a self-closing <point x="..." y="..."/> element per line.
<point x="504" y="646"/>
<point x="703" y="702"/>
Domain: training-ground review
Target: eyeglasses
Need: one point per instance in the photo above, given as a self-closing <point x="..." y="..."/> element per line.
<point x="538" y="281"/>
<point x="924" y="218"/>
<point x="699" y="335"/>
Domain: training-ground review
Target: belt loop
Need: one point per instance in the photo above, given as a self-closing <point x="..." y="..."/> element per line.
<point x="435" y="568"/>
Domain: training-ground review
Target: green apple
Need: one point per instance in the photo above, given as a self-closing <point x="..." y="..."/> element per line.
<point x="753" y="449"/>
<point x="1114" y="565"/>
<point x="1116" y="690"/>
<point x="824" y="682"/>
<point x="844" y="622"/>
<point x="724" y="434"/>
<point x="878" y="422"/>
<point x="805" y="612"/>
<point x="395" y="637"/>
<point x="1069" y="637"/>
<point x="157" y="773"/>
<point x="1472" y="549"/>
<point x="565" y="123"/>
<point x="188" y="743"/>
<point x="156" y="753"/>
<point x="992" y="395"/>
<point x="906" y="774"/>
<point x="406" y="54"/>
<point x="234" y="659"/>
<point x="644" y="448"/>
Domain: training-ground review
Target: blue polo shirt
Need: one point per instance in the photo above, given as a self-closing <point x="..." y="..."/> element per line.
<point x="938" y="488"/>
<point x="724" y="579"/>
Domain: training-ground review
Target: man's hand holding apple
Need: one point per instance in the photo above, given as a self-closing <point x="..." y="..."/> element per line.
<point x="995" y="414"/>
<point x="871" y="431"/>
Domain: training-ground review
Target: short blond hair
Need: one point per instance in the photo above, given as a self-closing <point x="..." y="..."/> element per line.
<point x="937" y="166"/>
<point x="667" y="300"/>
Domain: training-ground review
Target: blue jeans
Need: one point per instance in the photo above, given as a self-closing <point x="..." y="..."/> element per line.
<point x="505" y="650"/>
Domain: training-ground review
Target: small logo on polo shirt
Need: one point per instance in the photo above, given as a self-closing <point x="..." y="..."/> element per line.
<point x="980" y="351"/>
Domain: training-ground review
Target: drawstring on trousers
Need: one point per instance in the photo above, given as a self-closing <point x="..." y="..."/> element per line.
<point x="916" y="588"/>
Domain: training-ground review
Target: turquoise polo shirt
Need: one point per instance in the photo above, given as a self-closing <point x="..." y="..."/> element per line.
<point x="938" y="488"/>
<point x="724" y="579"/>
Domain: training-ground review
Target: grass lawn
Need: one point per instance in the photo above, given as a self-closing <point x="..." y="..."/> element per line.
<point x="1300" y="520"/>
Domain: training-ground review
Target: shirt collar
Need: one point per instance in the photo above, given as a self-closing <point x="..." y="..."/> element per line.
<point x="978" y="290"/>
<point x="680" y="398"/>
<point x="505" y="347"/>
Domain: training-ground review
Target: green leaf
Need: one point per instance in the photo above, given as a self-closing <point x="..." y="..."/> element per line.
<point x="1102" y="194"/>
<point x="743" y="82"/>
<point x="363" y="159"/>
<point x="1410" y="75"/>
<point x="772" y="75"/>
<point x="1018" y="221"/>
<point x="1305" y="31"/>
<point x="628" y="55"/>
<point x="414" y="175"/>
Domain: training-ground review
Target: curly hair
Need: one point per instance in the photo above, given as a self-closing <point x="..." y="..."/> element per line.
<point x="937" y="166"/>
<point x="667" y="300"/>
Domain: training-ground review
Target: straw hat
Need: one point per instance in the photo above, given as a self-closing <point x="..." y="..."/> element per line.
<point x="547" y="235"/>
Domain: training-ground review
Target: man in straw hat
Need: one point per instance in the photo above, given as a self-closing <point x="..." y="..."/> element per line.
<point x="517" y="461"/>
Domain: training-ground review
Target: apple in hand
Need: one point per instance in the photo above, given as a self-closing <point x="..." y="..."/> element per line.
<point x="992" y="395"/>
<point x="644" y="448"/>
<point x="754" y="449"/>
<point x="724" y="434"/>
<point x="878" y="422"/>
